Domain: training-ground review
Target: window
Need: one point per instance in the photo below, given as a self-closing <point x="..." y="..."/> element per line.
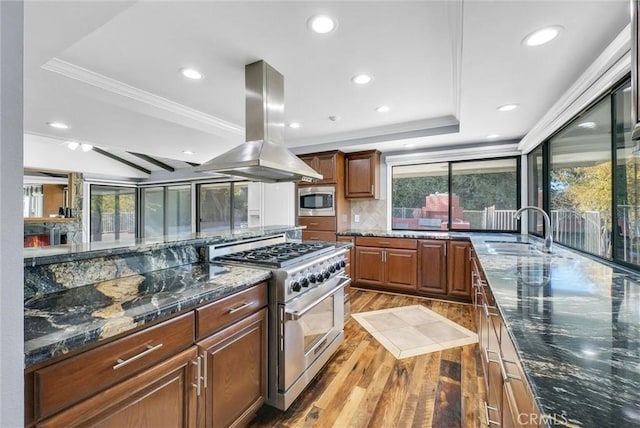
<point x="535" y="193"/>
<point x="581" y="181"/>
<point x="166" y="210"/>
<point x="484" y="194"/>
<point x="476" y="195"/>
<point x="420" y="196"/>
<point x="217" y="210"/>
<point x="112" y="213"/>
<point x="627" y="182"/>
<point x="178" y="210"/>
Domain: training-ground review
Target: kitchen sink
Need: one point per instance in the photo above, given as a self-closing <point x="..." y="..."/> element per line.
<point x="513" y="248"/>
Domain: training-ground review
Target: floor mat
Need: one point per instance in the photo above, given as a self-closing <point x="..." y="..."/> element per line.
<point x="408" y="331"/>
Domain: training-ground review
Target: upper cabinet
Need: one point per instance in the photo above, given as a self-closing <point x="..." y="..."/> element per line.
<point x="362" y="171"/>
<point x="329" y="164"/>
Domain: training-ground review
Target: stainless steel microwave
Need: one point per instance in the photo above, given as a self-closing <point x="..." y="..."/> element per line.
<point x="317" y="201"/>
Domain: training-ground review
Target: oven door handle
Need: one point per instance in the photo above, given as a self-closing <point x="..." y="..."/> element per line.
<point x="293" y="314"/>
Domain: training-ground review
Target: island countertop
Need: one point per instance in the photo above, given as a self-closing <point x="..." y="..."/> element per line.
<point x="575" y="322"/>
<point x="76" y="317"/>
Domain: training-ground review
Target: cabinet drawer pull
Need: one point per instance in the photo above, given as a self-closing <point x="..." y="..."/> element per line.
<point x="314" y="224"/>
<point x="384" y="242"/>
<point x="239" y="308"/>
<point x="490" y="422"/>
<point x="121" y="363"/>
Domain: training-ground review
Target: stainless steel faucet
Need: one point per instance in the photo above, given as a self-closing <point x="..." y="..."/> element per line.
<point x="548" y="237"/>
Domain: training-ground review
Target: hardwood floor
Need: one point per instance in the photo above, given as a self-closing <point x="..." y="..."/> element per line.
<point x="364" y="385"/>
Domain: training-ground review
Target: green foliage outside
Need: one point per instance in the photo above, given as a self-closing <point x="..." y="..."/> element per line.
<point x="476" y="191"/>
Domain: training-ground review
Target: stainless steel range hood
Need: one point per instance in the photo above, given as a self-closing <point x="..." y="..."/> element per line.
<point x="263" y="157"/>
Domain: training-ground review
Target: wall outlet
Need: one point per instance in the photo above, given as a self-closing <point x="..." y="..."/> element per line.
<point x="356" y="218"/>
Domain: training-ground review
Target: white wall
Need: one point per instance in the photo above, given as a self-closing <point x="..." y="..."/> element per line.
<point x="11" y="223"/>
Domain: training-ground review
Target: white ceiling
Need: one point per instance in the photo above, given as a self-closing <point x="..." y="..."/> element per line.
<point x="110" y="70"/>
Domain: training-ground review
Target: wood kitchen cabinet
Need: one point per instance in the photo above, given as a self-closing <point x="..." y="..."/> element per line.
<point x="362" y="175"/>
<point x="388" y="263"/>
<point x="162" y="396"/>
<point x="445" y="269"/>
<point x="329" y="164"/>
<point x="144" y="374"/>
<point x="318" y="228"/>
<point x="205" y="367"/>
<point x="459" y="269"/>
<point x="232" y="335"/>
<point x="433" y="267"/>
<point x="509" y="398"/>
<point x="235" y="363"/>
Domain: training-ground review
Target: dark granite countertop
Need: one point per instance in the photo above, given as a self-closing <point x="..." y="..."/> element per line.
<point x="73" y="318"/>
<point x="575" y="321"/>
<point x="413" y="234"/>
<point x="74" y="252"/>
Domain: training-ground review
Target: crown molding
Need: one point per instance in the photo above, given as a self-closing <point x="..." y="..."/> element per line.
<point x="97" y="80"/>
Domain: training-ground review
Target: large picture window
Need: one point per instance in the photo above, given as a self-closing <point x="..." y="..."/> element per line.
<point x="466" y="195"/>
<point x="581" y="182"/>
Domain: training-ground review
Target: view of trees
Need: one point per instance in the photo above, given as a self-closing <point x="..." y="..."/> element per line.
<point x="476" y="191"/>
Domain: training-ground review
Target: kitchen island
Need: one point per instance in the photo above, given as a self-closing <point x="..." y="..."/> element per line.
<point x="78" y="295"/>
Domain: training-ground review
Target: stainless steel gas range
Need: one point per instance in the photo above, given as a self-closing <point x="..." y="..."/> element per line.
<point x="306" y="307"/>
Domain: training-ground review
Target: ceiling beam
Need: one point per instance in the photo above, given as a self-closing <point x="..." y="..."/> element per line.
<point x="119" y="159"/>
<point x="153" y="161"/>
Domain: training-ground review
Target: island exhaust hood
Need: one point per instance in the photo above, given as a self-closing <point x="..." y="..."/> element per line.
<point x="263" y="157"/>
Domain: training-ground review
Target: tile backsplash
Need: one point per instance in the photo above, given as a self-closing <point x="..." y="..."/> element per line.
<point x="373" y="214"/>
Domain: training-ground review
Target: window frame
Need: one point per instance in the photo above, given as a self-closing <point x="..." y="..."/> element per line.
<point x="450" y="194"/>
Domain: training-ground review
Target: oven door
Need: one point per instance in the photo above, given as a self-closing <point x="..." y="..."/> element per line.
<point x="309" y="325"/>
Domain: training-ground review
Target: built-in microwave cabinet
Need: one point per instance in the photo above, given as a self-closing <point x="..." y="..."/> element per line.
<point x="362" y="175"/>
<point x="329" y="164"/>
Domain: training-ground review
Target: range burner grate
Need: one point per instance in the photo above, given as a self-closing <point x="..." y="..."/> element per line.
<point x="279" y="255"/>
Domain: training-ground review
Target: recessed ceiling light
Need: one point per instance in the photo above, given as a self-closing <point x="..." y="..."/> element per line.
<point x="86" y="147"/>
<point x="191" y="73"/>
<point x="409" y="145"/>
<point x="361" y="79"/>
<point x="322" y="24"/>
<point x="508" y="107"/>
<point x="587" y="125"/>
<point x="72" y="145"/>
<point x="542" y="36"/>
<point x="334" y="118"/>
<point x="188" y="152"/>
<point x="383" y="109"/>
<point x="294" y="125"/>
<point x="58" y="125"/>
<point x="493" y="135"/>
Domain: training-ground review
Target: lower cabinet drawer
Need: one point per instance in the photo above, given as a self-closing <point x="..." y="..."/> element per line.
<point x="308" y="235"/>
<point x="382" y="242"/>
<point x="318" y="223"/>
<point x="219" y="314"/>
<point x="67" y="382"/>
